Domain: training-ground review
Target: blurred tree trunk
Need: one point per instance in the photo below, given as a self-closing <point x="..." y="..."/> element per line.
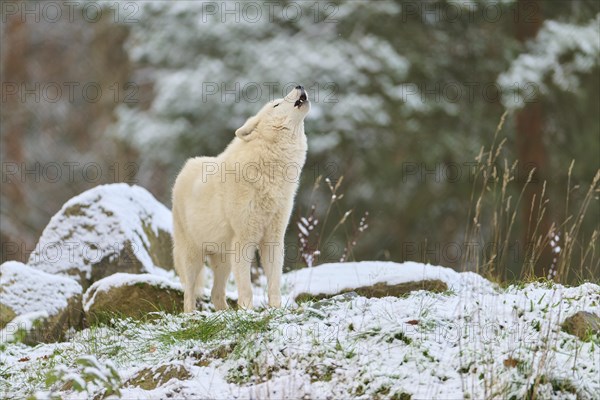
<point x="70" y="130"/>
<point x="530" y="149"/>
<point x="13" y="129"/>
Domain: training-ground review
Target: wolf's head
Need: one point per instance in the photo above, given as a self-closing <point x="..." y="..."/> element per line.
<point x="278" y="117"/>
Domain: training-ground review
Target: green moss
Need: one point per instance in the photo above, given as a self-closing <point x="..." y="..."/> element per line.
<point x="382" y="289"/>
<point x="6" y="315"/>
<point x="359" y="391"/>
<point x="106" y="212"/>
<point x="251" y="372"/>
<point x="76" y="210"/>
<point x="220" y="352"/>
<point x="383" y="390"/>
<point x="161" y="246"/>
<point x="401" y="396"/>
<point x="88" y="227"/>
<point x="320" y="373"/>
<point x="151" y="378"/>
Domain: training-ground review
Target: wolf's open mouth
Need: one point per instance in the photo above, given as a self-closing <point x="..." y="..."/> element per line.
<point x="301" y="100"/>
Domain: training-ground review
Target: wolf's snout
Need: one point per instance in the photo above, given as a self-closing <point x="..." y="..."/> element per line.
<point x="302" y="99"/>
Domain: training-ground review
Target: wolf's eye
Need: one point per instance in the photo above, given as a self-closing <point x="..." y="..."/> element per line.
<point x="276" y="105"/>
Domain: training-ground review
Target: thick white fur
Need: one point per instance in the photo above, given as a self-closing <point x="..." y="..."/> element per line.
<point x="227" y="207"/>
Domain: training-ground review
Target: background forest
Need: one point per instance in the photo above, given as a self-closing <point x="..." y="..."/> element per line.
<point x="405" y="95"/>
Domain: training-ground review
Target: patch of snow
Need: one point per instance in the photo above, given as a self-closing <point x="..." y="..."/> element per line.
<point x="28" y="290"/>
<point x="337" y="277"/>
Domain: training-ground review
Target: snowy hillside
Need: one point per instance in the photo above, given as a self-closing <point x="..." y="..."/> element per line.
<point x="473" y="340"/>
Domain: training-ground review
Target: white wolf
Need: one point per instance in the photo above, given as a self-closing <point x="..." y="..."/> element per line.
<point x="227" y="207"/>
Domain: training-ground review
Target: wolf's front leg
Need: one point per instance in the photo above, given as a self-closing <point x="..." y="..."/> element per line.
<point x="271" y="257"/>
<point x="221" y="269"/>
<point x="240" y="262"/>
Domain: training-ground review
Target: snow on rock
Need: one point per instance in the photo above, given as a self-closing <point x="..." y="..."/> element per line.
<point x="25" y="289"/>
<point x="107" y="229"/>
<point x="377" y="279"/>
<point x="132" y="295"/>
<point x="53" y="301"/>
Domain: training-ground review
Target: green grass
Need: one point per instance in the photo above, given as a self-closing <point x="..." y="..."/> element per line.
<point x="222" y="326"/>
<point x="203" y="330"/>
<point x="401" y="336"/>
<point x="126" y="340"/>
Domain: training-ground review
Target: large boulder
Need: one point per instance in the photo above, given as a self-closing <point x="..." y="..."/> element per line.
<point x="37" y="306"/>
<point x="107" y="229"/>
<point x="132" y="295"/>
<point x="376" y="279"/>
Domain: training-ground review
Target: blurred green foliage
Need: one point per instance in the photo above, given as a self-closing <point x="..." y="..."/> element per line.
<point x="404" y="93"/>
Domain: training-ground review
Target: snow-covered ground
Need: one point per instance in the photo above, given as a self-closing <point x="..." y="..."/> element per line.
<point x="474" y="340"/>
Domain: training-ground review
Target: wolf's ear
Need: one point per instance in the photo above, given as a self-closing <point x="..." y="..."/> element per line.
<point x="247" y="131"/>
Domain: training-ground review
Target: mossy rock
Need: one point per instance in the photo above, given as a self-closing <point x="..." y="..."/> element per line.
<point x="383" y="289"/>
<point x="125" y="261"/>
<point x="54" y="328"/>
<point x="134" y="296"/>
<point x="37" y="307"/>
<point x="6" y="315"/>
<point x="161" y="246"/>
<point x="582" y="324"/>
<point x="151" y="378"/>
<point x="105" y="230"/>
<point x="33" y="329"/>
